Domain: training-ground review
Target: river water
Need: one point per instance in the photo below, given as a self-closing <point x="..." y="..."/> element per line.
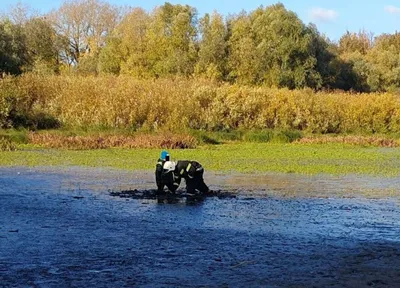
<point x="60" y="227"/>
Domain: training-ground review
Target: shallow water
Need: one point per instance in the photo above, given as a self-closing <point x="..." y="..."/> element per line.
<point x="61" y="227"/>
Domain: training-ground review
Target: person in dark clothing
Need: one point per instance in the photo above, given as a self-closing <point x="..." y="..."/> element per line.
<point x="164" y="157"/>
<point x="191" y="171"/>
<point x="169" y="178"/>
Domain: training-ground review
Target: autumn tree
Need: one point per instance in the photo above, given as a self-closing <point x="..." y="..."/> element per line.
<point x="268" y="46"/>
<point x="384" y="63"/>
<point x="84" y="24"/>
<point x="171" y="40"/>
<point x="212" y="47"/>
<point x="359" y="42"/>
<point x="131" y="33"/>
<point x="271" y="46"/>
<point x="42" y="45"/>
<point x="111" y="56"/>
<point x="243" y="59"/>
<point x="20" y="13"/>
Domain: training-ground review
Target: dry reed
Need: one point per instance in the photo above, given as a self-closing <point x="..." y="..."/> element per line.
<point x="7" y="145"/>
<point x="166" y="104"/>
<point x="167" y="141"/>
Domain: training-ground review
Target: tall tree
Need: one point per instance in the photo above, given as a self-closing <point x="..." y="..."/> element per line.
<point x="271" y="46"/>
<point x="284" y="47"/>
<point x="355" y="42"/>
<point x="14" y="56"/>
<point x="84" y="24"/>
<point x="20" y="13"/>
<point x="352" y="49"/>
<point x="41" y="41"/>
<point x="243" y="59"/>
<point x="132" y="33"/>
<point x="35" y="34"/>
<point x="384" y="61"/>
<point x="212" y="47"/>
<point x="171" y="40"/>
<point x="111" y="56"/>
<point x="324" y="52"/>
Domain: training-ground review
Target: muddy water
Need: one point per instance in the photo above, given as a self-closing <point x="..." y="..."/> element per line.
<point x="62" y="228"/>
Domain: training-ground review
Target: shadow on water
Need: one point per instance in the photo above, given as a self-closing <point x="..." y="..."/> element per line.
<point x="103" y="228"/>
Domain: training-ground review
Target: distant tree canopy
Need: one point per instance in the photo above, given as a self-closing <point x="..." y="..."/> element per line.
<point x="269" y="46"/>
<point x="13" y="48"/>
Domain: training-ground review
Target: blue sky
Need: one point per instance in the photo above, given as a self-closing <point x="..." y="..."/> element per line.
<point x="332" y="18"/>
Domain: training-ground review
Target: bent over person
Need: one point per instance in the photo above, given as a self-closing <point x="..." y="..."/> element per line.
<point x="191" y="171"/>
<point x="164" y="157"/>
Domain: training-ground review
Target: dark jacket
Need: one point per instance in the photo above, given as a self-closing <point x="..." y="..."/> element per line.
<point x="166" y="179"/>
<point x="192" y="172"/>
<point x="188" y="169"/>
<point x="159" y="168"/>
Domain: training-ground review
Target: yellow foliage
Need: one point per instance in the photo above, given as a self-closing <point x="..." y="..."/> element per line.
<point x="176" y="104"/>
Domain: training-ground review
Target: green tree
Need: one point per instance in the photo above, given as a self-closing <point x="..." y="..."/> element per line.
<point x="284" y="47"/>
<point x="384" y="61"/>
<point x="271" y="46"/>
<point x="14" y="56"/>
<point x="335" y="72"/>
<point x="243" y="60"/>
<point x="35" y="34"/>
<point x="171" y="40"/>
<point x="41" y="41"/>
<point x="324" y="52"/>
<point x="111" y="56"/>
<point x="212" y="47"/>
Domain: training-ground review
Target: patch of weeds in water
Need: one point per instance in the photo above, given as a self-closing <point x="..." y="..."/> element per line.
<point x="308" y="159"/>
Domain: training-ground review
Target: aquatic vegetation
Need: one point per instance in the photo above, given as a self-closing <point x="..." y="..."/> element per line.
<point x="307" y="159"/>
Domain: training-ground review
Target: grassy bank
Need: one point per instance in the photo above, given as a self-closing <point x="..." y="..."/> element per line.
<point x="332" y="158"/>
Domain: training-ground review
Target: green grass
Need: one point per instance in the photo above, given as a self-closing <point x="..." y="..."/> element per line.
<point x="16" y="136"/>
<point x="334" y="159"/>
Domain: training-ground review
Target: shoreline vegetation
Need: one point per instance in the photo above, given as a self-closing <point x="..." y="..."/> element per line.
<point x="11" y="139"/>
<point x="122" y="122"/>
<point x="121" y="102"/>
